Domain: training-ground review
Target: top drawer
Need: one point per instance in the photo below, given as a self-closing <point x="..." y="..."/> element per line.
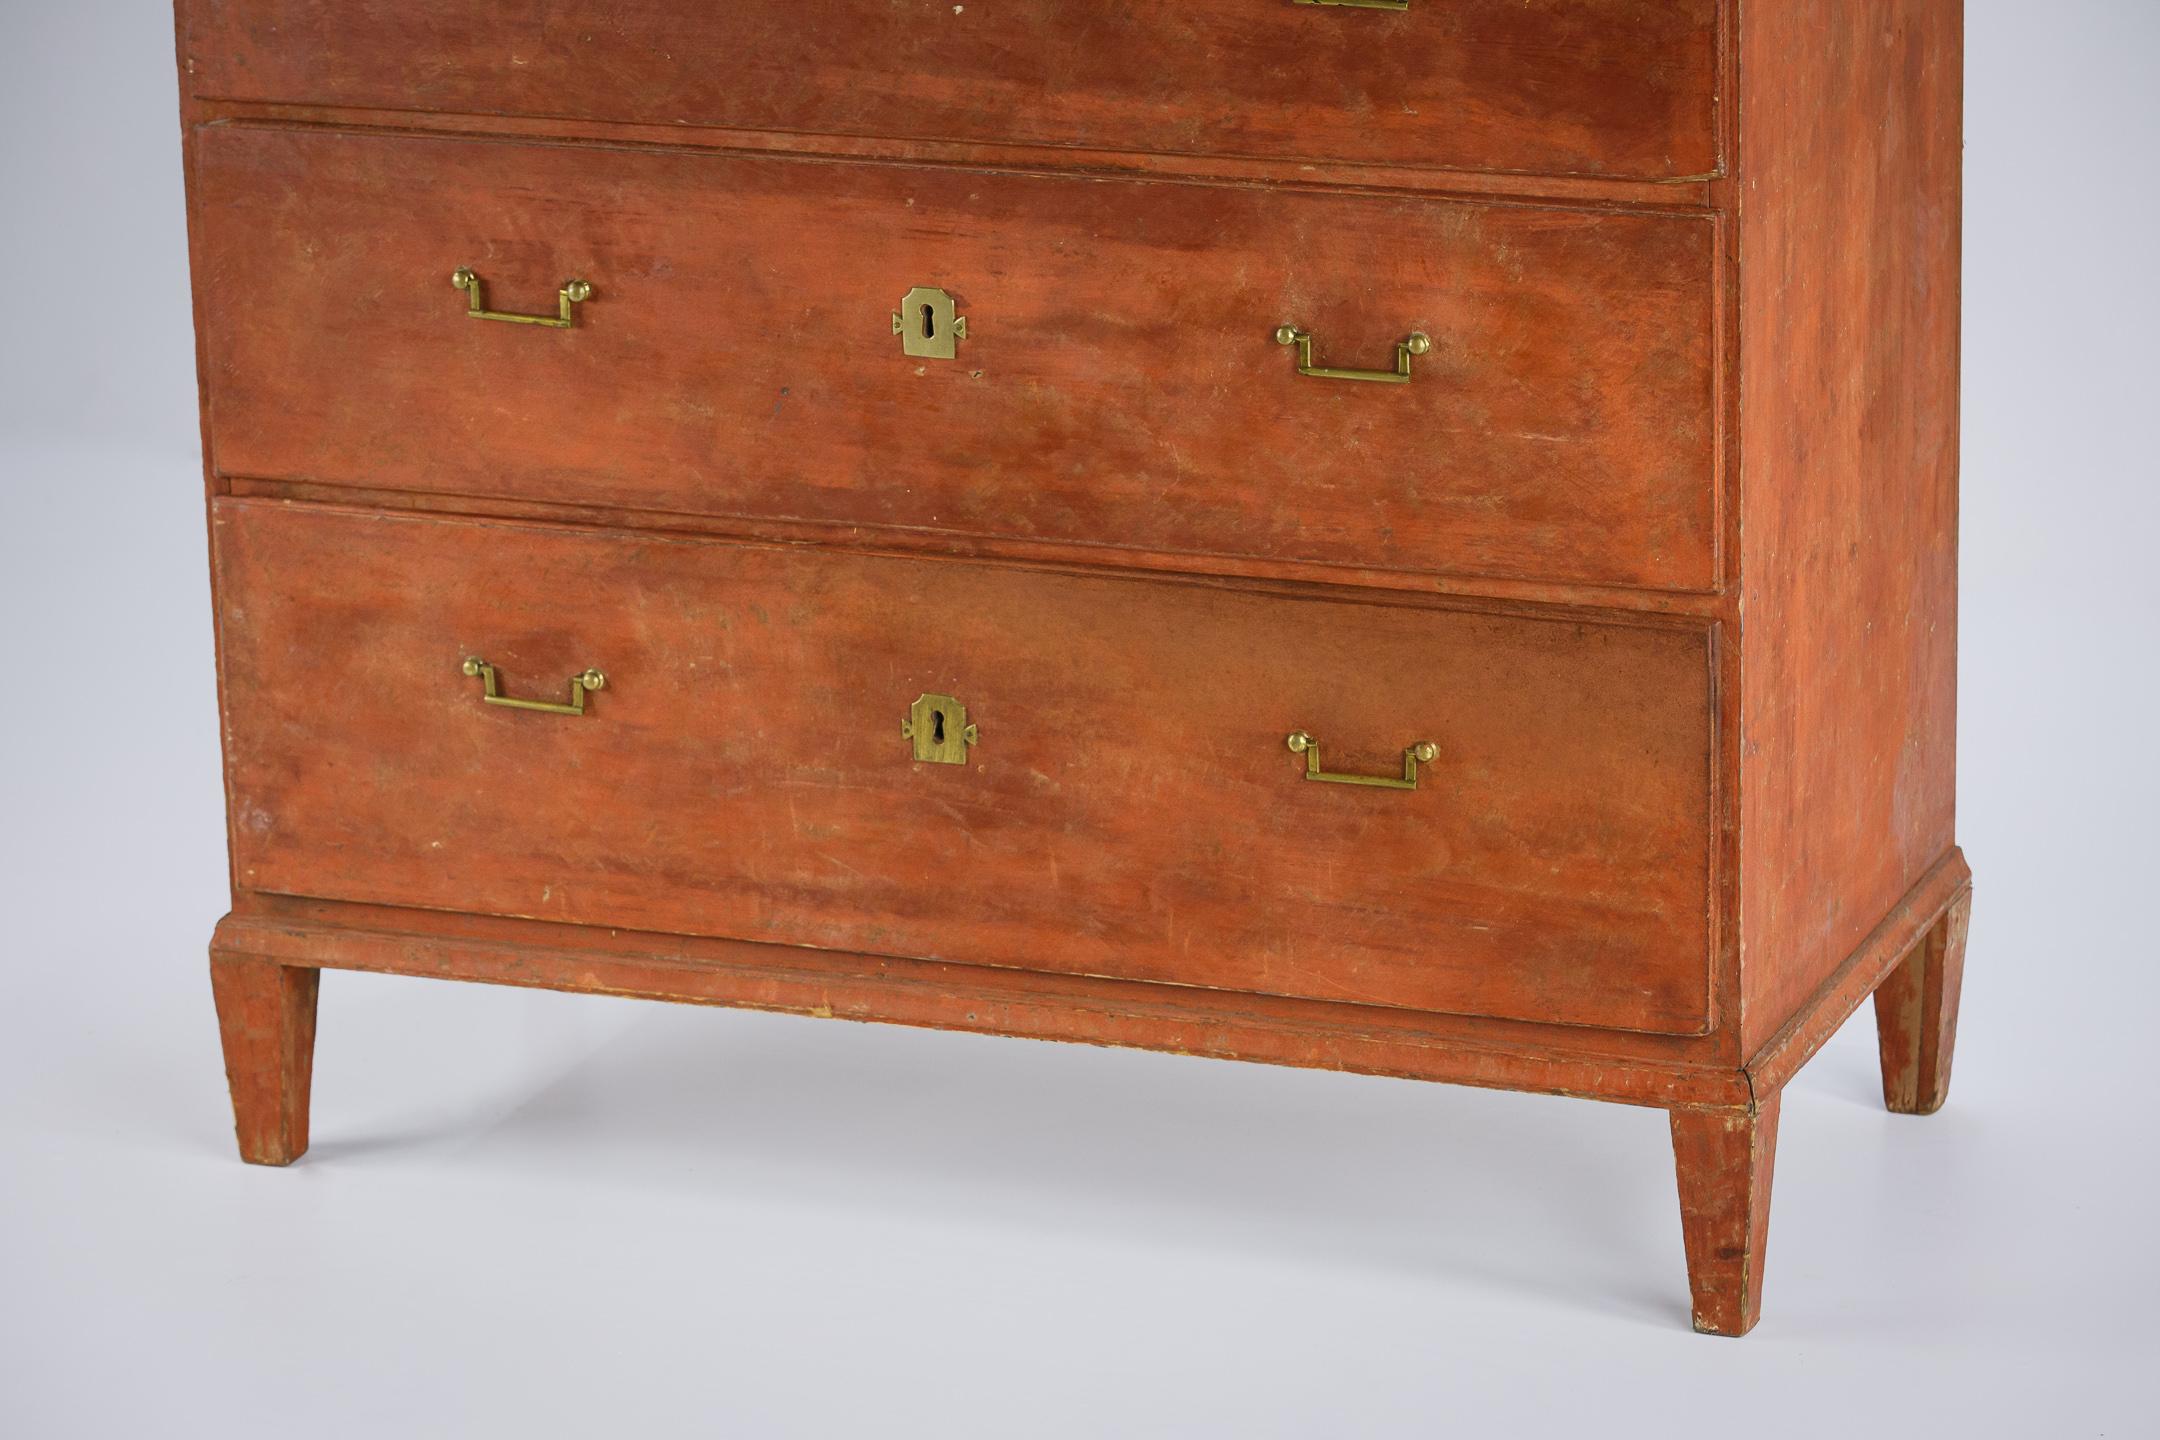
<point x="1621" y="89"/>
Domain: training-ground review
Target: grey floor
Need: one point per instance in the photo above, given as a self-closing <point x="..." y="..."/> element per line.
<point x="536" y="1215"/>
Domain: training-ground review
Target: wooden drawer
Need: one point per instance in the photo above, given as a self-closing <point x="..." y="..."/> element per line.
<point x="1618" y="88"/>
<point x="1130" y="808"/>
<point x="1120" y="383"/>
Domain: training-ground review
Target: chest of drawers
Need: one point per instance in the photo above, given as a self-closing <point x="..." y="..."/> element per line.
<point x="1412" y="538"/>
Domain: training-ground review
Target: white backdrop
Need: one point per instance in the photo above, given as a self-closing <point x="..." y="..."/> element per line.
<point x="532" y="1215"/>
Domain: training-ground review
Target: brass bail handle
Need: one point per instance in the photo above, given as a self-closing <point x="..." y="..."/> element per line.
<point x="1418" y="343"/>
<point x="1362" y="4"/>
<point x="491" y="690"/>
<point x="1422" y="753"/>
<point x="573" y="292"/>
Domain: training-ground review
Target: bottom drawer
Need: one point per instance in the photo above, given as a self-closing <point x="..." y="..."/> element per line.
<point x="1129" y="807"/>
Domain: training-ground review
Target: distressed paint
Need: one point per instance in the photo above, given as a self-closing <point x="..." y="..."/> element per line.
<point x="1849" y="244"/>
<point x="1724" y="1160"/>
<point x="1120" y="375"/>
<point x="1621" y="88"/>
<point x="1916" y="1011"/>
<point x="266" y="1016"/>
<point x="1131" y="809"/>
<point x="1682" y="465"/>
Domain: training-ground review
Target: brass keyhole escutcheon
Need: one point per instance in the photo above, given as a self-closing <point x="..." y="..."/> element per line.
<point x="938" y="726"/>
<point x="929" y="324"/>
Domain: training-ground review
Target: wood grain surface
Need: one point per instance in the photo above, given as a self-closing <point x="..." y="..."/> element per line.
<point x="266" y="1020"/>
<point x="1658" y="547"/>
<point x="1596" y="87"/>
<point x="1849" y="245"/>
<point x="1916" y="1013"/>
<point x="1120" y="384"/>
<point x="1131" y="810"/>
<point x="1725" y="1160"/>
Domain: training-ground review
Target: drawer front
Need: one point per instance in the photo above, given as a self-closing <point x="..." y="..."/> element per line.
<point x="1618" y="88"/>
<point x="1129" y="807"/>
<point x="1119" y="384"/>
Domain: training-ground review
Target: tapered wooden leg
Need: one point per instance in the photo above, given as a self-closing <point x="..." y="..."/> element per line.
<point x="1725" y="1158"/>
<point x="1916" y="1012"/>
<point x="266" y="1013"/>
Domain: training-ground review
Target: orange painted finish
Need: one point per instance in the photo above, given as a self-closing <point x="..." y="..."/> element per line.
<point x="1916" y="1012"/>
<point x="1658" y="547"/>
<point x="1849" y="238"/>
<point x="1623" y="88"/>
<point x="1725" y="1159"/>
<point x="266" y="1015"/>
<point x="1120" y="384"/>
<point x="1637" y="1069"/>
<point x="1131" y="809"/>
<point x="1945" y="887"/>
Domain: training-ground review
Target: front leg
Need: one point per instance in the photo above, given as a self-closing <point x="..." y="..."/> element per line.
<point x="266" y="1014"/>
<point x="1916" y="1010"/>
<point x="1724" y="1158"/>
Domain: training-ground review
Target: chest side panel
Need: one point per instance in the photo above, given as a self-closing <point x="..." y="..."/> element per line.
<point x="1849" y="341"/>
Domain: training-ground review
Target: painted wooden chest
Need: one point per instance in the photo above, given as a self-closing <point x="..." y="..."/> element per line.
<point x="1408" y="536"/>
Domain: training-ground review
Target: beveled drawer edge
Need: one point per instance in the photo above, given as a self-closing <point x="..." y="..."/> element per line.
<point x="1501" y="595"/>
<point x="1693" y="194"/>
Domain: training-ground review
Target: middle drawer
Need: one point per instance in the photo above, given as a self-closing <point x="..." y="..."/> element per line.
<point x="1119" y="382"/>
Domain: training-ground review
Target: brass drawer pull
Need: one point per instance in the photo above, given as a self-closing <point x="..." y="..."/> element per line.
<point x="1412" y="756"/>
<point x="1418" y="344"/>
<point x="573" y="292"/>
<point x="1362" y="4"/>
<point x="491" y="690"/>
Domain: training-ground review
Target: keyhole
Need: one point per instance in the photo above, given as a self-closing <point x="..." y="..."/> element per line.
<point x="937" y="726"/>
<point x="929" y="332"/>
